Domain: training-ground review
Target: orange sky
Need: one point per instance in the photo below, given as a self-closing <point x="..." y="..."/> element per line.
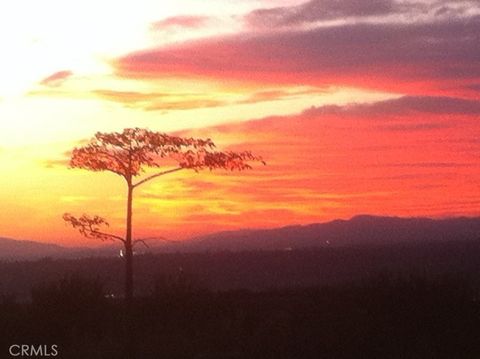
<point x="357" y="107"/>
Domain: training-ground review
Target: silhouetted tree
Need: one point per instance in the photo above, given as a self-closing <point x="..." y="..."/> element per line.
<point x="128" y="154"/>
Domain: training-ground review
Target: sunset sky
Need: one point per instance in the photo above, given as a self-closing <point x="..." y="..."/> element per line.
<point x="357" y="106"/>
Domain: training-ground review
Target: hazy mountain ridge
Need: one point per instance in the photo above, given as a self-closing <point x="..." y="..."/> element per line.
<point x="15" y="249"/>
<point x="19" y="249"/>
<point x="357" y="231"/>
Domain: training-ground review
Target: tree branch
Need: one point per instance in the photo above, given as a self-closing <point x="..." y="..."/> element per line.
<point x="144" y="240"/>
<point x="89" y="227"/>
<point x="157" y="239"/>
<point x="141" y="241"/>
<point x="112" y="237"/>
<point x="149" y="178"/>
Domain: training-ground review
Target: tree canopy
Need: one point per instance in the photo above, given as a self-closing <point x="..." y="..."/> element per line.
<point x="131" y="152"/>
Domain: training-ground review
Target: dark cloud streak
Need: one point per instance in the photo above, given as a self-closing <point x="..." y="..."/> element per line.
<point x="324" y="10"/>
<point x="404" y="106"/>
<point x="316" y="10"/>
<point x="380" y="56"/>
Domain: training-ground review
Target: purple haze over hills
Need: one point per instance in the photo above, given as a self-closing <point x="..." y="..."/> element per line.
<point x="358" y="231"/>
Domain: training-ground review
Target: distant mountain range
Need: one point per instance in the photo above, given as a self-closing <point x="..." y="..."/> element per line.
<point x="358" y="231"/>
<point x="20" y="249"/>
<point x="13" y="249"/>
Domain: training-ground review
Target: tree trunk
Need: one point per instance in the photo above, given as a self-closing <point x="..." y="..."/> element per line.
<point x="129" y="251"/>
<point x="129" y="330"/>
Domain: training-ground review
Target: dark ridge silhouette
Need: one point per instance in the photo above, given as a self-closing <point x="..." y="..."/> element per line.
<point x="24" y="249"/>
<point x="362" y="230"/>
<point x="358" y="231"/>
<point x="18" y="250"/>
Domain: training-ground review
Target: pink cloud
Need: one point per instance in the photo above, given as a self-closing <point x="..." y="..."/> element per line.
<point x="418" y="59"/>
<point x="186" y="21"/>
<point x="56" y="79"/>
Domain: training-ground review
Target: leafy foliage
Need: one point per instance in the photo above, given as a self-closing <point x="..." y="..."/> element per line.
<point x="130" y="152"/>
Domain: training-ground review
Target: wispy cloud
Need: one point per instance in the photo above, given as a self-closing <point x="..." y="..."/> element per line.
<point x="155" y="101"/>
<point x="180" y="22"/>
<point x="315" y="11"/>
<point x="405" y="106"/>
<point x="171" y="101"/>
<point x="56" y="79"/>
<point x="279" y="94"/>
<point x="439" y="57"/>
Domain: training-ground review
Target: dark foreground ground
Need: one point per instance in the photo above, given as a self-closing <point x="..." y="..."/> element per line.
<point x="379" y="318"/>
<point x="416" y="301"/>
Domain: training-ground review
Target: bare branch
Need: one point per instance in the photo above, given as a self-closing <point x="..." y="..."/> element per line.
<point x="107" y="236"/>
<point x="89" y="227"/>
<point x="149" y="178"/>
<point x="144" y="240"/>
<point x="158" y="238"/>
<point x="141" y="241"/>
